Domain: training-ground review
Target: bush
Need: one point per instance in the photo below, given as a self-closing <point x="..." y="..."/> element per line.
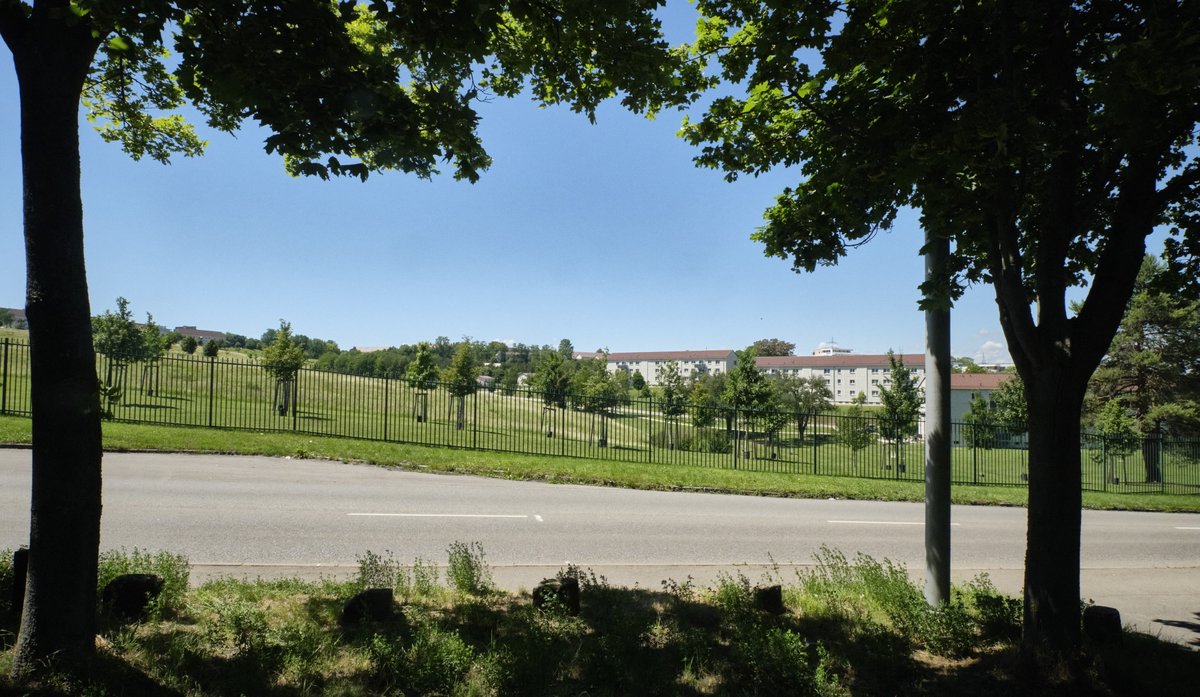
<point x="172" y="568"/>
<point x="375" y="571"/>
<point x="435" y="662"/>
<point x="701" y="440"/>
<point x="467" y="571"/>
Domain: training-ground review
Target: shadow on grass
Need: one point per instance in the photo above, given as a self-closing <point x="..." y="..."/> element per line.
<point x="625" y="641"/>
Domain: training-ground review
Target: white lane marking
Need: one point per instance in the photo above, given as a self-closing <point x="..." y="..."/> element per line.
<point x="436" y="515"/>
<point x="1179" y="528"/>
<point x="538" y="518"/>
<point x="880" y="522"/>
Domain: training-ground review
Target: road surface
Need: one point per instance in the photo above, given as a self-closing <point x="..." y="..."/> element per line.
<point x="254" y="516"/>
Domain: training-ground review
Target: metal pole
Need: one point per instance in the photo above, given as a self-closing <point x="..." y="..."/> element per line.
<point x="937" y="431"/>
<point x="212" y="367"/>
<point x="4" y="381"/>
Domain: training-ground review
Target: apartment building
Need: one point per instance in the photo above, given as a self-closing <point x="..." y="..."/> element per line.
<point x="692" y="364"/>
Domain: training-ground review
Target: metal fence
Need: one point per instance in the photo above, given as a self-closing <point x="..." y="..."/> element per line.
<point x="196" y="391"/>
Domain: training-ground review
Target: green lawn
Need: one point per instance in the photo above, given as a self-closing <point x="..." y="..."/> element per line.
<point x="136" y="437"/>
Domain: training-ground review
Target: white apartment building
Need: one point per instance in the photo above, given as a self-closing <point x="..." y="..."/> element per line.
<point x="692" y="364"/>
<point x="846" y="374"/>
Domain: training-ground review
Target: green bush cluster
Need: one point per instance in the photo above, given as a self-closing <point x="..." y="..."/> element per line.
<point x="172" y="568"/>
<point x="686" y="438"/>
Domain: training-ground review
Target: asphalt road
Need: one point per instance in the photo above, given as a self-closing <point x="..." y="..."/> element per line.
<point x="265" y="516"/>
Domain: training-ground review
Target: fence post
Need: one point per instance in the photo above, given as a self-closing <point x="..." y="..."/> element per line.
<point x="212" y="375"/>
<point x="386" y="382"/>
<point x="295" y="387"/>
<point x="974" y="454"/>
<point x="1104" y="460"/>
<point x="812" y="430"/>
<point x="475" y="419"/>
<point x="737" y="437"/>
<point x="650" y="429"/>
<point x="4" y="380"/>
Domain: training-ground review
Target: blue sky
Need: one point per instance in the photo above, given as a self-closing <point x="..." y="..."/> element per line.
<point x="605" y="234"/>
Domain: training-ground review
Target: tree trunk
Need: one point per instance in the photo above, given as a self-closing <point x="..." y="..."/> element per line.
<point x="1152" y="456"/>
<point x="1052" y="612"/>
<point x="58" y="622"/>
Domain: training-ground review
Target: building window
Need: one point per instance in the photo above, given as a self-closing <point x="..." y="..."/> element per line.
<point x="827" y="371"/>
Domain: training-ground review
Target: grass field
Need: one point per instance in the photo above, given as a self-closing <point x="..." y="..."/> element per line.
<point x="141" y="437"/>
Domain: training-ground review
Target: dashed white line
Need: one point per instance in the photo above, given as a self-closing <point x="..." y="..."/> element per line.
<point x="538" y="518"/>
<point x="1185" y="528"/>
<point x="436" y="515"/>
<point x="880" y="522"/>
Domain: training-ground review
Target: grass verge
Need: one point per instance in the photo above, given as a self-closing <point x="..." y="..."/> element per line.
<point x="136" y="437"/>
<point x="844" y="627"/>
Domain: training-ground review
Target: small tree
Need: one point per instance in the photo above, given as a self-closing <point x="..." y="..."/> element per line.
<point x="282" y="359"/>
<point x="747" y="390"/>
<point x="118" y="338"/>
<point x="673" y="399"/>
<point x="855" y="429"/>
<point x="901" y="407"/>
<point x="461" y="378"/>
<point x="638" y="381"/>
<point x="212" y="348"/>
<point x="604" y="392"/>
<point x="806" y="397"/>
<point x="6" y="317"/>
<point x="703" y="404"/>
<point x="980" y="421"/>
<point x="566" y="349"/>
<point x="1118" y="433"/>
<point x="422" y="375"/>
<point x="154" y="347"/>
<point x="189" y="344"/>
<point x="552" y="378"/>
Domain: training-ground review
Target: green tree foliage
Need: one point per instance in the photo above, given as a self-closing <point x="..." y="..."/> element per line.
<point x="638" y="381"/>
<point x="117" y="336"/>
<point x="422" y="371"/>
<point x="552" y="379"/>
<point x="338" y="89"/>
<point x="672" y="399"/>
<point x="461" y="378"/>
<point x="1118" y="437"/>
<point x="703" y="403"/>
<point x="212" y="348"/>
<point x="901" y="402"/>
<point x="979" y="423"/>
<point x="774" y="347"/>
<point x="189" y="345"/>
<point x="284" y="356"/>
<point x="804" y="397"/>
<point x="566" y="349"/>
<point x="7" y="319"/>
<point x="966" y="364"/>
<point x="854" y="429"/>
<point x="1153" y="365"/>
<point x="748" y="391"/>
<point x="1011" y="407"/>
<point x="422" y="376"/>
<point x="602" y="394"/>
<point x="1043" y="141"/>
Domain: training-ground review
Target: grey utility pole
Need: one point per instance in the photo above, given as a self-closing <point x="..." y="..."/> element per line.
<point x="937" y="432"/>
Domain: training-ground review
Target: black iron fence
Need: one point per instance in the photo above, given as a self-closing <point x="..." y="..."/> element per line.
<point x="228" y="394"/>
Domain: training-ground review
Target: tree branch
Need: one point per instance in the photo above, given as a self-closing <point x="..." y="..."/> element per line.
<point x="12" y="22"/>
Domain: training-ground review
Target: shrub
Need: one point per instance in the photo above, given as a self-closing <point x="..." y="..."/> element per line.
<point x="376" y="571"/>
<point x="172" y="568"/>
<point x="435" y="662"/>
<point x="467" y="571"/>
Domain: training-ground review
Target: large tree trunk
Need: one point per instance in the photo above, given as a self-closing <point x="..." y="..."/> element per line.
<point x="1052" y="612"/>
<point x="58" y="623"/>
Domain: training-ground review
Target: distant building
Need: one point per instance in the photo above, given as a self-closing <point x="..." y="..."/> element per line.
<point x="692" y="364"/>
<point x="829" y="348"/>
<point x="582" y="355"/>
<point x="848" y="374"/>
<point x="202" y="336"/>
